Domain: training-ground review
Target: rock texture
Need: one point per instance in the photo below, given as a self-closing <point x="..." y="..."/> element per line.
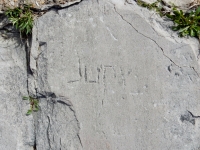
<point x="132" y="86"/>
<point x="37" y="4"/>
<point x="109" y="75"/>
<point x="183" y="3"/>
<point x="16" y="129"/>
<point x="57" y="126"/>
<point x="47" y="4"/>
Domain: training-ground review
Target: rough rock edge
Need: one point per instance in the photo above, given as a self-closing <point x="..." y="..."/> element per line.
<point x="32" y="85"/>
<point x="31" y="78"/>
<point x="38" y="7"/>
<point x="48" y="95"/>
<point x="157" y="26"/>
<point x="46" y="7"/>
<point x="182" y="5"/>
<point x="32" y="75"/>
<point x="156" y="44"/>
<point x="52" y="99"/>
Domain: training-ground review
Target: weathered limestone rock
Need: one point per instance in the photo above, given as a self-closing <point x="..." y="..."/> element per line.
<point x="38" y="4"/>
<point x="109" y="75"/>
<point x="46" y="4"/>
<point x="132" y="84"/>
<point x="57" y="126"/>
<point x="16" y="129"/>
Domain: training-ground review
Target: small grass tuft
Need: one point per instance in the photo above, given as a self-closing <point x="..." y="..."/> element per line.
<point x="34" y="104"/>
<point x="154" y="6"/>
<point x="22" y="18"/>
<point x="185" y="23"/>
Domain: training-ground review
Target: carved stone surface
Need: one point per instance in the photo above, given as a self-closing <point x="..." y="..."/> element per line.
<point x="109" y="75"/>
<point x="133" y="83"/>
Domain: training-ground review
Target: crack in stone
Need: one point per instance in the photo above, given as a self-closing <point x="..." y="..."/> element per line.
<point x="155" y="43"/>
<point x="85" y="74"/>
<point x="194" y="71"/>
<point x="189" y="117"/>
<point x="80" y="140"/>
<point x="123" y="78"/>
<point x="146" y="37"/>
<point x="98" y="77"/>
<point x="78" y="123"/>
<point x="193" y="115"/>
<point x="52" y="98"/>
<point x="79" y="68"/>
<point x="49" y="95"/>
<point x="29" y="72"/>
<point x="48" y="138"/>
<point x="104" y="84"/>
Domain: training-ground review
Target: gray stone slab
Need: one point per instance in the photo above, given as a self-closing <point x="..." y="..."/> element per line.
<point x="132" y="83"/>
<point x="57" y="126"/>
<point x="16" y="129"/>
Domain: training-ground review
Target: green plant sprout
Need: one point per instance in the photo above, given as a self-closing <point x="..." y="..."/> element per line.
<point x="34" y="104"/>
<point x="21" y="18"/>
<point x="185" y="23"/>
<point x="154" y="6"/>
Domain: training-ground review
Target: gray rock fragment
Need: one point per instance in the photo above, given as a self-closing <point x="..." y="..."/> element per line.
<point x="57" y="126"/>
<point x="127" y="75"/>
<point x="16" y="129"/>
<point x="179" y="3"/>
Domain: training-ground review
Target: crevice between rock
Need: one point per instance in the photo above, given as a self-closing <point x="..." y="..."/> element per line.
<point x="48" y="138"/>
<point x="32" y="76"/>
